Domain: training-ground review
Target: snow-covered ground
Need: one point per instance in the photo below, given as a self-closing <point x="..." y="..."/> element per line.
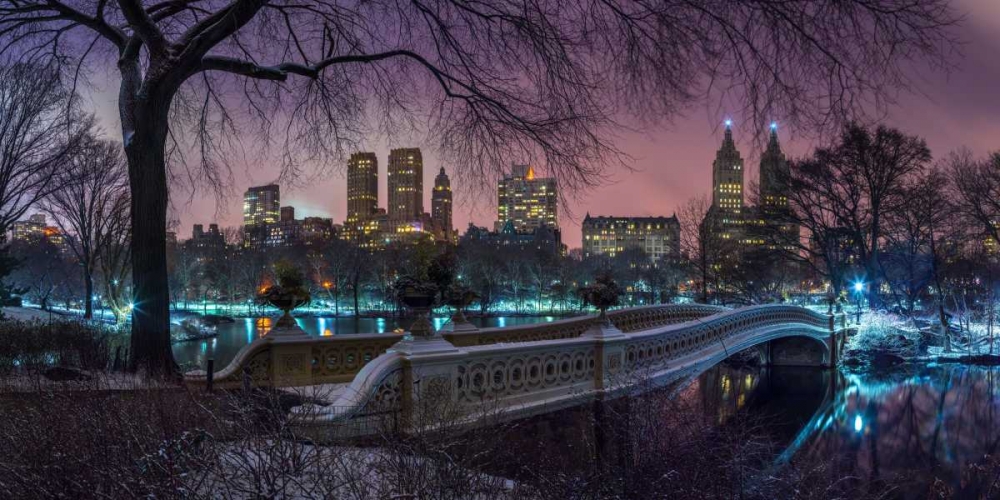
<point x="30" y="314"/>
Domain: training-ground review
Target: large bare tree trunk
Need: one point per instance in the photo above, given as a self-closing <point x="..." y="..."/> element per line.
<point x="151" y="351"/>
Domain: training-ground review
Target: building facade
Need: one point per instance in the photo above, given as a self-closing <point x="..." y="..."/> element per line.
<point x="28" y="230"/>
<point x="362" y="186"/>
<point x="774" y="174"/>
<point x="727" y="176"/>
<point x="544" y="239"/>
<point x="441" y="207"/>
<point x="406" y="185"/>
<point x="206" y="241"/>
<point x="658" y="237"/>
<point x="261" y="205"/>
<point x="527" y="201"/>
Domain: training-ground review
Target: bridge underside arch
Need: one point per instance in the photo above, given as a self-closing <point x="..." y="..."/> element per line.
<point x="790" y="345"/>
<point x="798" y="350"/>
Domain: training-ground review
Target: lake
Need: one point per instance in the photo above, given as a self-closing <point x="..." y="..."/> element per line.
<point x="905" y="426"/>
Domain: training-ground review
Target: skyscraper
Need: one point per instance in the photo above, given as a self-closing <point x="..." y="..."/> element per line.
<point x="441" y="205"/>
<point x="261" y="205"/>
<point x="773" y="175"/>
<point x="727" y="176"/>
<point x="776" y="229"/>
<point x="362" y="187"/>
<point x="406" y="185"/>
<point x="528" y="202"/>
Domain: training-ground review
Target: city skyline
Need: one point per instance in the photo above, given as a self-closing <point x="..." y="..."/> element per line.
<point x="672" y="163"/>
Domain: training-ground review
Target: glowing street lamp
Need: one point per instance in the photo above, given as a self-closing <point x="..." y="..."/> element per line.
<point x="859" y="287"/>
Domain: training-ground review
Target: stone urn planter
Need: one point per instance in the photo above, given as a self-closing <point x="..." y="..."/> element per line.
<point x="419" y="297"/>
<point x="288" y="294"/>
<point x="602" y="294"/>
<point x="459" y="298"/>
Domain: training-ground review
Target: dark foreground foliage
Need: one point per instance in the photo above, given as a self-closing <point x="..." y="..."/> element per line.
<point x="33" y="346"/>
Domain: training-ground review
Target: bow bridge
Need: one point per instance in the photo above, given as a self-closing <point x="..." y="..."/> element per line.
<point x="526" y="369"/>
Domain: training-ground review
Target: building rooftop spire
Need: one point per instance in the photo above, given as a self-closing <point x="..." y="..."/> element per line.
<point x="772" y="144"/>
<point x="727" y="139"/>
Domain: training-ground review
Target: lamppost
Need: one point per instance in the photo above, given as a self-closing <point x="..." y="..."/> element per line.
<point x="858" y="288"/>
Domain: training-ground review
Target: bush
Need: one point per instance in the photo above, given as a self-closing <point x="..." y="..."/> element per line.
<point x="34" y="346"/>
<point x="882" y="332"/>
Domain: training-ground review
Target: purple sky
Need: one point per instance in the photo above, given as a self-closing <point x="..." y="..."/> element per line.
<point x="672" y="163"/>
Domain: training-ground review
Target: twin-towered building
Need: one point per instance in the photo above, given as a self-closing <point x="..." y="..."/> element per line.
<point x="729" y="217"/>
<point x="405" y="218"/>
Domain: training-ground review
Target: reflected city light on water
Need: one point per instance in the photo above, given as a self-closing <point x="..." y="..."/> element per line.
<point x="263" y="326"/>
<point x="248" y="323"/>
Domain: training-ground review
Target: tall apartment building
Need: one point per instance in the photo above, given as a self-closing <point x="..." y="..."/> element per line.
<point x="261" y="205"/>
<point x="659" y="237"/>
<point x="406" y="185"/>
<point x="727" y="176"/>
<point x="441" y="206"/>
<point x="529" y="202"/>
<point x="773" y="175"/>
<point x="261" y="210"/>
<point x="362" y="186"/>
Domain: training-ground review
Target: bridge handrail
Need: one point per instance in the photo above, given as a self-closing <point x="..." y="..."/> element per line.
<point x="627" y="320"/>
<point x="340" y="358"/>
<point x="330" y="359"/>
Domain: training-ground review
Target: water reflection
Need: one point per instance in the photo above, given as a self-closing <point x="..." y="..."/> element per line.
<point x="908" y="426"/>
<point x="925" y="421"/>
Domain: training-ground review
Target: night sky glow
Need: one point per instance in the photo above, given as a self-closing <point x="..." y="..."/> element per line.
<point x="673" y="163"/>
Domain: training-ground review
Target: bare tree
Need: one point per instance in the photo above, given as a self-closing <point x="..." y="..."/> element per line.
<point x="492" y="81"/>
<point x="841" y="196"/>
<point x="702" y="246"/>
<point x="92" y="182"/>
<point x="38" y="132"/>
<point x="976" y="184"/>
<point x="916" y="231"/>
<point x="115" y="259"/>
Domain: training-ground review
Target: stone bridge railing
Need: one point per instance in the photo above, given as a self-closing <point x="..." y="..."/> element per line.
<point x="627" y="320"/>
<point x="521" y="378"/>
<point x="312" y="360"/>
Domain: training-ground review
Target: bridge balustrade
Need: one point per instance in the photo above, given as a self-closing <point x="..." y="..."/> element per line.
<point x="314" y="360"/>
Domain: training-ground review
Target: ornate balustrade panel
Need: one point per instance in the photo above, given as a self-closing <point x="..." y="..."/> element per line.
<point x="524" y="371"/>
<point x="299" y="360"/>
